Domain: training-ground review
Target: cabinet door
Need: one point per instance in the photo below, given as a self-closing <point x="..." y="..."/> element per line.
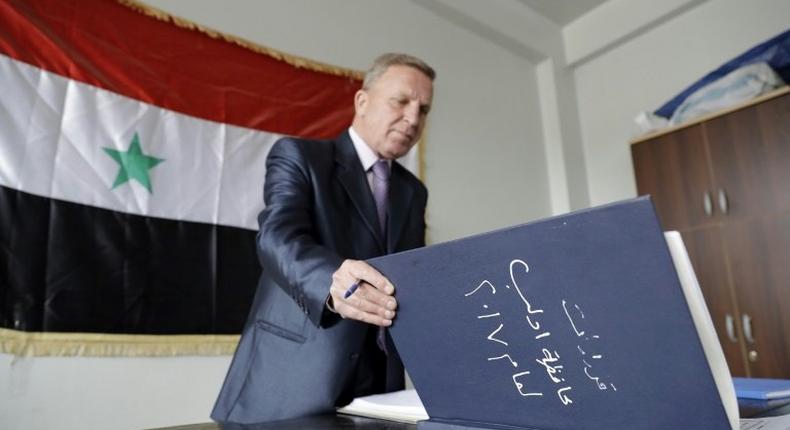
<point x="750" y="157"/>
<point x="759" y="254"/>
<point x="706" y="251"/>
<point x="673" y="169"/>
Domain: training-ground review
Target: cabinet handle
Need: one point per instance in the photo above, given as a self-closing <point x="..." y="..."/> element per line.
<point x="730" y="324"/>
<point x="724" y="205"/>
<point x="747" y="328"/>
<point x="707" y="203"/>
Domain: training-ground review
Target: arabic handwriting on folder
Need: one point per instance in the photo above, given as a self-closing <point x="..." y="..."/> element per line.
<point x="554" y="324"/>
<point x="548" y="359"/>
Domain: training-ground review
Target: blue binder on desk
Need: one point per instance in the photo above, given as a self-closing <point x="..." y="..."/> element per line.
<point x="574" y="322"/>
<point x="762" y="388"/>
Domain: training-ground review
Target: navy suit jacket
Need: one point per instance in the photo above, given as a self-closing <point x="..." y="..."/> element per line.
<point x="296" y="358"/>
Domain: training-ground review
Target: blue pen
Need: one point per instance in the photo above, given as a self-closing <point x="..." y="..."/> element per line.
<point x="351" y="290"/>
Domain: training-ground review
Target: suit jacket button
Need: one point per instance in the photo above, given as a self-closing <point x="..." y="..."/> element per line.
<point x="355" y="356"/>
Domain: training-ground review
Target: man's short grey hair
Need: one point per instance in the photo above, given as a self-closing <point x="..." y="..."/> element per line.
<point x="383" y="62"/>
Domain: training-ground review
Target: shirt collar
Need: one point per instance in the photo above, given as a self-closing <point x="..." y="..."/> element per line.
<point x="366" y="155"/>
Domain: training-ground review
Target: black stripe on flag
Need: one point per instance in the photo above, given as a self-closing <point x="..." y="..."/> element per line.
<point x="68" y="267"/>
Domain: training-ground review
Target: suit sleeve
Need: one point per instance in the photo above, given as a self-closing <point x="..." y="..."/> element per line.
<point x="286" y="243"/>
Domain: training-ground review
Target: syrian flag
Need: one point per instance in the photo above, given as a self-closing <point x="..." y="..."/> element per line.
<point x="132" y="149"/>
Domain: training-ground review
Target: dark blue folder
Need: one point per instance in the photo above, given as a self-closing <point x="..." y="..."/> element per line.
<point x="574" y="322"/>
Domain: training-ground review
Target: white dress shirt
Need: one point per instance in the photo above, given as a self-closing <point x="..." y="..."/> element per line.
<point x="366" y="155"/>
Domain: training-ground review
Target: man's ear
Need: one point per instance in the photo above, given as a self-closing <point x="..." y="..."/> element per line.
<point x="360" y="102"/>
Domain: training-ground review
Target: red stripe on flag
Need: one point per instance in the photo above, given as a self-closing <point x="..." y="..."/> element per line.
<point x="111" y="46"/>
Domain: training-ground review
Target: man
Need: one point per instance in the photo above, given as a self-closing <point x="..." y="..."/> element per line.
<point x="310" y="344"/>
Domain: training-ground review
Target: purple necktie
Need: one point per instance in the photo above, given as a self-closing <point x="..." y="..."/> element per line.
<point x="381" y="185"/>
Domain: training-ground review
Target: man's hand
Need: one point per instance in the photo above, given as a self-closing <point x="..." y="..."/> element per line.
<point x="372" y="302"/>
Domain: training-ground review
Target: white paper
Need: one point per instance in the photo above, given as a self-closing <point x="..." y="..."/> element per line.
<point x="402" y="406"/>
<point x="768" y="423"/>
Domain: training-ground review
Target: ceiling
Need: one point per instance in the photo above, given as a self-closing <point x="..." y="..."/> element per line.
<point x="562" y="12"/>
<point x="567" y="31"/>
<point x="531" y="29"/>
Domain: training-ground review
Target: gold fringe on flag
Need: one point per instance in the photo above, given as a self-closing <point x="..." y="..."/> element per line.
<point x="46" y="344"/>
<point x="293" y="60"/>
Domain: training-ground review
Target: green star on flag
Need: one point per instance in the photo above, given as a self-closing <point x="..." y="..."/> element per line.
<point x="133" y="164"/>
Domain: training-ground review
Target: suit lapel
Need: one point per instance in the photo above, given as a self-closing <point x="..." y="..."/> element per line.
<point x="400" y="196"/>
<point x="354" y="181"/>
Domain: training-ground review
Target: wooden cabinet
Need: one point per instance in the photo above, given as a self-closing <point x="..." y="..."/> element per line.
<point x="724" y="183"/>
<point x="673" y="169"/>
<point x="750" y="158"/>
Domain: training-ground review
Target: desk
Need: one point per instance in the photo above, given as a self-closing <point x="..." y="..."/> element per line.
<point x="747" y="408"/>
<point x="318" y="422"/>
<point x="751" y="408"/>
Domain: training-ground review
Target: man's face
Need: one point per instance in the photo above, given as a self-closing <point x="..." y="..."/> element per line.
<point x="390" y="115"/>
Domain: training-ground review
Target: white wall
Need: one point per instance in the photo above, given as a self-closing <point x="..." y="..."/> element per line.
<point x="646" y="71"/>
<point x="485" y="166"/>
<point x="45" y="393"/>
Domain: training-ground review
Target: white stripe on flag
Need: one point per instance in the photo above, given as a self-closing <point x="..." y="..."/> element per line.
<point x="54" y="131"/>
